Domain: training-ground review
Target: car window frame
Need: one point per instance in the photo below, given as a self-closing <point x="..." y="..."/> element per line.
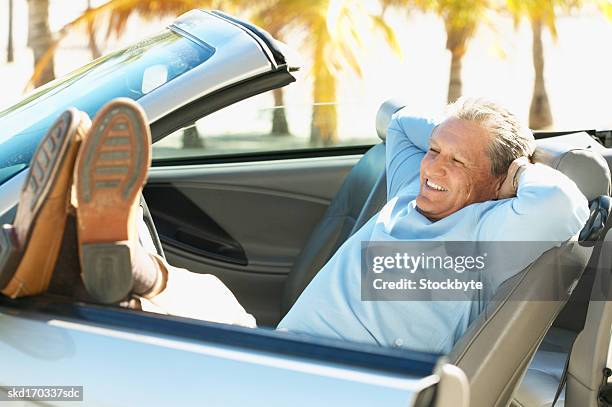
<point x="212" y="102"/>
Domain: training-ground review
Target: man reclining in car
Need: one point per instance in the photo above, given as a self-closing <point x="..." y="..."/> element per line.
<point x="467" y="179"/>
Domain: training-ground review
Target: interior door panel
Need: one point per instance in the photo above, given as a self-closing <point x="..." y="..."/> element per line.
<point x="184" y="225"/>
<point x="243" y="222"/>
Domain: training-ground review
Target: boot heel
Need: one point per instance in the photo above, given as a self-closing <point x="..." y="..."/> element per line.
<point x="107" y="271"/>
<point x="10" y="254"/>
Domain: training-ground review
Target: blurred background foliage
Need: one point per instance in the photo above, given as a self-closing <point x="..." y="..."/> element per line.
<point x="330" y="33"/>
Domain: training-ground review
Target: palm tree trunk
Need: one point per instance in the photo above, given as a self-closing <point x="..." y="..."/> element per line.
<point x="91" y="33"/>
<point x="539" y="111"/>
<point x="191" y="138"/>
<point x="454" y="84"/>
<point x="324" y="126"/>
<point x="39" y="37"/>
<point x="456" y="42"/>
<point x="280" y="127"/>
<point x="10" y="57"/>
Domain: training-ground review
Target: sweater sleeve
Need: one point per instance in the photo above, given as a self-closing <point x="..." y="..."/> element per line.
<point x="406" y="144"/>
<point x="548" y="207"/>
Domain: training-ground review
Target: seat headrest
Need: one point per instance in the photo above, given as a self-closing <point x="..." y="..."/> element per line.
<point x="579" y="161"/>
<point x="385" y="112"/>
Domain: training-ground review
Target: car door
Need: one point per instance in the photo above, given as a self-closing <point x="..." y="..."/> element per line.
<point x="118" y="357"/>
<point x="231" y="197"/>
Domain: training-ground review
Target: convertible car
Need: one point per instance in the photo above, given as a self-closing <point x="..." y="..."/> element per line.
<point x="264" y="213"/>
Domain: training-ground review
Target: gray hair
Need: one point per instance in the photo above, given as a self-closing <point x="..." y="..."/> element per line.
<point x="510" y="139"/>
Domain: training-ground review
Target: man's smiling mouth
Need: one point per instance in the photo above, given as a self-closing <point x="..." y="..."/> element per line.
<point x="435" y="186"/>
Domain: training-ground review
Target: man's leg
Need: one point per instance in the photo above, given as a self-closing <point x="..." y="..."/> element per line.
<point x="198" y="296"/>
<point x="110" y="172"/>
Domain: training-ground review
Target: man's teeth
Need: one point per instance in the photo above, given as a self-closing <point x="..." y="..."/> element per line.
<point x="435" y="186"/>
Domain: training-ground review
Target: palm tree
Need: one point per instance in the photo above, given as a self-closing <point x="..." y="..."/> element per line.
<point x="461" y="19"/>
<point x="280" y="126"/>
<point x="333" y="43"/>
<point x="40" y="40"/>
<point x="9" y="48"/>
<point x="541" y="14"/>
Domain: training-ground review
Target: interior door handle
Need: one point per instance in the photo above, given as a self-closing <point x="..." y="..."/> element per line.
<point x="213" y="247"/>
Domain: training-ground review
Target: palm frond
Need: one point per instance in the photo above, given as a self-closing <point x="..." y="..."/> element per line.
<point x="388" y="33"/>
<point x="606" y="7"/>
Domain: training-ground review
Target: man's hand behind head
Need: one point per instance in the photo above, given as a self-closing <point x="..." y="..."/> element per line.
<point x="509" y="186"/>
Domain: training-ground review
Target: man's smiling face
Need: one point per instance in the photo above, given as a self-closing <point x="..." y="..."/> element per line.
<point x="456" y="171"/>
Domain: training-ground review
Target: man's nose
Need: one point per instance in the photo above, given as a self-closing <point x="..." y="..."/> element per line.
<point x="438" y="166"/>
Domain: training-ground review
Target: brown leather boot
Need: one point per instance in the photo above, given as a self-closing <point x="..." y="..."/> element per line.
<point x="109" y="174"/>
<point x="30" y="246"/>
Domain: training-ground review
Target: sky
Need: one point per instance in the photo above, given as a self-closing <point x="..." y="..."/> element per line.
<point x="497" y="65"/>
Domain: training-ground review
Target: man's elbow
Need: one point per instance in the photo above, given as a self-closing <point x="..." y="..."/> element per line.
<point x="570" y="206"/>
<point x="394" y="132"/>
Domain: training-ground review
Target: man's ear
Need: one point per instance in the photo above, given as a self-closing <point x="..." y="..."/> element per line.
<point x="498" y="182"/>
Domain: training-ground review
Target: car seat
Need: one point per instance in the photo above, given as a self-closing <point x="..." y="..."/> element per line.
<point x="590" y="353"/>
<point x="578" y="354"/>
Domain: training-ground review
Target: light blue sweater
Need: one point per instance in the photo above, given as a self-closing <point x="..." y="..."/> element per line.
<point x="548" y="208"/>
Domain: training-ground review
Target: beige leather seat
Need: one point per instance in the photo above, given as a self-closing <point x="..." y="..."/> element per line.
<point x="589" y="353"/>
<point x="544" y="373"/>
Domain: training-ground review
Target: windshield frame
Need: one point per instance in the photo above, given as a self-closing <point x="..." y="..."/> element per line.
<point x="88" y="88"/>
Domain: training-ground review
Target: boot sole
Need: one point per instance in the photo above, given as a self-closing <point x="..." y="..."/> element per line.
<point x="51" y="156"/>
<point x="110" y="172"/>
